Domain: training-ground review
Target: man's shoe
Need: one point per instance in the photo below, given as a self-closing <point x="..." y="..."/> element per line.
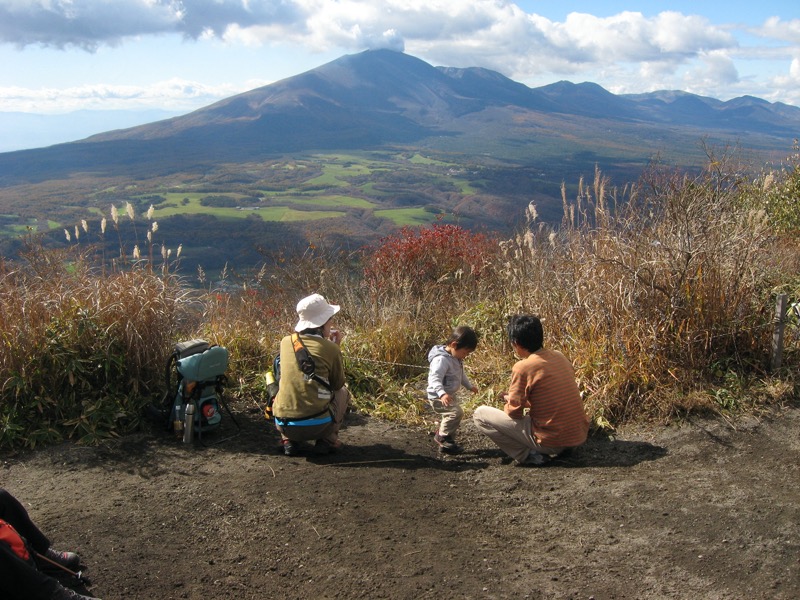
<point x="70" y="560"/>
<point x="534" y="459"/>
<point x="447" y="444"/>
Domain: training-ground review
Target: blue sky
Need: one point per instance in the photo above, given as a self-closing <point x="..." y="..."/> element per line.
<point x="59" y="56"/>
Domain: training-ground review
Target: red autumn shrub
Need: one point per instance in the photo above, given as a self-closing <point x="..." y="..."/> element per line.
<point x="427" y="255"/>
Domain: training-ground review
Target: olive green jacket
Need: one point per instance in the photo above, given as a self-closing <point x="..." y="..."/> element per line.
<point x="298" y="398"/>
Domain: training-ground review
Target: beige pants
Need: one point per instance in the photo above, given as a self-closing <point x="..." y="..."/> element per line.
<point x="513" y="436"/>
<point x="451" y="415"/>
<point x="326" y="431"/>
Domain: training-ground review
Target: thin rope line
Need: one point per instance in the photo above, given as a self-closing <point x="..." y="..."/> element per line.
<point x="421" y="367"/>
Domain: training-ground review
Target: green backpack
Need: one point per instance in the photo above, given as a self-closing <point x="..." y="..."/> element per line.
<point x="195" y="376"/>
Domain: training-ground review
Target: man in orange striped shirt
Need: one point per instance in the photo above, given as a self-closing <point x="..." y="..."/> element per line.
<point x="543" y="414"/>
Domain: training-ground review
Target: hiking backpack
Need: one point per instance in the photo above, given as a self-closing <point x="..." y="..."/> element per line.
<point x="195" y="375"/>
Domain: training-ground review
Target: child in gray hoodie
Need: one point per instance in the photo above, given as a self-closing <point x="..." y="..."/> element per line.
<point x="445" y="378"/>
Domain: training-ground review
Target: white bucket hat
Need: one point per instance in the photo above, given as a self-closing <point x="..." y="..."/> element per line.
<point x="314" y="311"/>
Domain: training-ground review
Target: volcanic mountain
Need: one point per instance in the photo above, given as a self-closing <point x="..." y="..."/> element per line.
<point x="383" y="98"/>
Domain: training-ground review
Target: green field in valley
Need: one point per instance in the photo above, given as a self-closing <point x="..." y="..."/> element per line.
<point x="364" y="195"/>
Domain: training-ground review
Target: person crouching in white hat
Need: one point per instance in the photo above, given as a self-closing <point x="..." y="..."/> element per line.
<point x="312" y="398"/>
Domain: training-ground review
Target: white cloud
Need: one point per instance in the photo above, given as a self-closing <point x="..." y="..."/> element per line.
<point x="625" y="52"/>
<point x="353" y="24"/>
<point x="389" y="40"/>
<point x="714" y="70"/>
<point x="86" y="24"/>
<point x="789" y="82"/>
<point x="630" y="36"/>
<point x="779" y="29"/>
<point x="174" y="94"/>
<point x="676" y="33"/>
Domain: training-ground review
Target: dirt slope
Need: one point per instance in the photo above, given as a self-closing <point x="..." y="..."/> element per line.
<point x="707" y="511"/>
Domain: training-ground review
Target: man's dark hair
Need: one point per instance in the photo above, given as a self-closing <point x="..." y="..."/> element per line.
<point x="526" y="330"/>
<point x="464" y="337"/>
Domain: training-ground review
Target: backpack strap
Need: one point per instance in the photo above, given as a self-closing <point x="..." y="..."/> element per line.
<point x="306" y="362"/>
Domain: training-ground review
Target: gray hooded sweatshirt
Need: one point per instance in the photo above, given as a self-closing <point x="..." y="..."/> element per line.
<point x="446" y="375"/>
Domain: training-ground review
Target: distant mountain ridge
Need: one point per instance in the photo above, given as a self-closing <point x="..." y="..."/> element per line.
<point x="385" y="80"/>
<point x="383" y="98"/>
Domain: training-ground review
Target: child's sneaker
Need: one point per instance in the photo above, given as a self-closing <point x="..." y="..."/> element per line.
<point x="447" y="444"/>
<point x="534" y="459"/>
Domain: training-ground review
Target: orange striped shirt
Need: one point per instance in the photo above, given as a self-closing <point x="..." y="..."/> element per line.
<point x="545" y="383"/>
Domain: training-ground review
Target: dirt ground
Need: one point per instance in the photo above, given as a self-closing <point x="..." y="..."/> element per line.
<point x="708" y="510"/>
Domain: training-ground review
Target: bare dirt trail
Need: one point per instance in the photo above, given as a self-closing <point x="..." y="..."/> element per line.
<point x="706" y="510"/>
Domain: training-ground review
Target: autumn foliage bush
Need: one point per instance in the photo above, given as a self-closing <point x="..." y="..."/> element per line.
<point x="412" y="289"/>
<point x="432" y="271"/>
<point x="426" y="256"/>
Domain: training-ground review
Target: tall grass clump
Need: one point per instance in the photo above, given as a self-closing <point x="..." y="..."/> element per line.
<point x="652" y="290"/>
<point x="82" y="350"/>
<point x="249" y="323"/>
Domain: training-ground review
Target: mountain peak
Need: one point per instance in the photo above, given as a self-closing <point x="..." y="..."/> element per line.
<point x="387" y="98"/>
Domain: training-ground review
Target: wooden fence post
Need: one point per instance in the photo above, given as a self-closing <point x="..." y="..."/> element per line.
<point x="777" y="334"/>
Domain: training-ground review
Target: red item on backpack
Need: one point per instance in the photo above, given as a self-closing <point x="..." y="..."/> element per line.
<point x="10" y="536"/>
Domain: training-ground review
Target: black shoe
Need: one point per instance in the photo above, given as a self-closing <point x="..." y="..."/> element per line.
<point x="566" y="453"/>
<point x="64" y="593"/>
<point x="324" y="447"/>
<point x="70" y="560"/>
<point x="447" y="444"/>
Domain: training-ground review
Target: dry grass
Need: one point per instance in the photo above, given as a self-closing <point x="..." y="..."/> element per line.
<point x="661" y="293"/>
<point x="82" y="352"/>
<point x="651" y="288"/>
